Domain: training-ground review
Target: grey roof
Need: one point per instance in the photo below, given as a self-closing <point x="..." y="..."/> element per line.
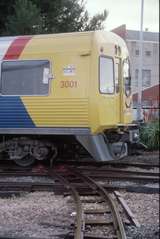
<point x="147" y="36"/>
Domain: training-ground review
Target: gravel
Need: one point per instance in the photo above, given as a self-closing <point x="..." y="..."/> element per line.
<point x="146" y="209"/>
<point x="146" y="157"/>
<point x="43" y="215"/>
<point x="144" y="206"/>
<point x="46" y="215"/>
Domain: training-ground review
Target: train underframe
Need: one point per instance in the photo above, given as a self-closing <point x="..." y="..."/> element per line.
<point x="24" y="150"/>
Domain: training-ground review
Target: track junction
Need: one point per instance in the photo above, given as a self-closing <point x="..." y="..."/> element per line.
<point x="95" y="183"/>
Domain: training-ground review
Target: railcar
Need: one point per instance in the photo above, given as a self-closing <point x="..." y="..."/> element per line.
<point x="62" y="94"/>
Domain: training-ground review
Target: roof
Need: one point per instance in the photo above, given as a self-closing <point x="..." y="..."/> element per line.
<point x="79" y="41"/>
<point x="147" y="36"/>
<point x="134" y="35"/>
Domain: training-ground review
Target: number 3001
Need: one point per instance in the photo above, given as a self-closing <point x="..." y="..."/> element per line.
<point x="68" y="84"/>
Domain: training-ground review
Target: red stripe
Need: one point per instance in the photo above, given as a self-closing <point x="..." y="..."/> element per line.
<point x="16" y="48"/>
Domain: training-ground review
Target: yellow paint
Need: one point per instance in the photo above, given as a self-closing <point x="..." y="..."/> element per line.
<point x="81" y="106"/>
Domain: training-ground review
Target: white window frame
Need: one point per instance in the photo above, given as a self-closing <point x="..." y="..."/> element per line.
<point x="49" y="79"/>
<point x="100" y="88"/>
<point x="128" y="91"/>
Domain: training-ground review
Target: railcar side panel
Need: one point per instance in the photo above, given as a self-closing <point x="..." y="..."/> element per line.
<point x="74" y="98"/>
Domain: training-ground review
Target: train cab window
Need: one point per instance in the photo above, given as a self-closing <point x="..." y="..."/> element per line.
<point x="25" y="77"/>
<point x="106" y="75"/>
<point x="117" y="75"/>
<point x="127" y="77"/>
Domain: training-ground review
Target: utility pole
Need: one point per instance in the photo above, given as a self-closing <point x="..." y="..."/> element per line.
<point x="140" y="81"/>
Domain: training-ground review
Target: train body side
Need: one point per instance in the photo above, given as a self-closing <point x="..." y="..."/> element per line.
<point x="74" y="104"/>
<point x="67" y="102"/>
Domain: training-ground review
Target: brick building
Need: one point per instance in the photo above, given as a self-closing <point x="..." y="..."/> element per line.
<point x="150" y="71"/>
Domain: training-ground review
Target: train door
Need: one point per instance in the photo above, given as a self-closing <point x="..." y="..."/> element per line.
<point x="118" y="88"/>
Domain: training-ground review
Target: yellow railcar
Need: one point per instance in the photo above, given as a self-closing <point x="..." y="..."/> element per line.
<point x="65" y="85"/>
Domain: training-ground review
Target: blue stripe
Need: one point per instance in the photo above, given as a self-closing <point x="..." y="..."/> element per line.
<point x="13" y="113"/>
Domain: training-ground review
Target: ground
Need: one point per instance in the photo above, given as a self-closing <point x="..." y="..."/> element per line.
<point x="46" y="215"/>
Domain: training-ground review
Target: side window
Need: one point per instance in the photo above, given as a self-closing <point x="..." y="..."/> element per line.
<point x="106" y="75"/>
<point x="117" y="75"/>
<point x="127" y="77"/>
<point x="26" y="77"/>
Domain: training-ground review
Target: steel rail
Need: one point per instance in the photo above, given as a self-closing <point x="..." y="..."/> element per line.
<point x="96" y="173"/>
<point x="23" y="173"/>
<point x="121" y="176"/>
<point x="79" y="230"/>
<point x="117" y="221"/>
<point x="115" y="163"/>
<point x="118" y="170"/>
<point x="9" y="188"/>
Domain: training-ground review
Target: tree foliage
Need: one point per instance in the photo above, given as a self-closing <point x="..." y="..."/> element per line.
<point x="47" y="16"/>
<point x="6" y="9"/>
<point x="26" y="19"/>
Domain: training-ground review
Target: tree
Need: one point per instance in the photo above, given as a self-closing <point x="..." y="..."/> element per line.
<point x="6" y="9"/>
<point x="68" y="16"/>
<point x="47" y="16"/>
<point x="26" y="19"/>
<point x="96" y="22"/>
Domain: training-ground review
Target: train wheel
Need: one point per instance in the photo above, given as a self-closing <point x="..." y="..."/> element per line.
<point x="26" y="161"/>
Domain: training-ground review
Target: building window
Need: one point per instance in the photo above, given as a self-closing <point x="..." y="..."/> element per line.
<point x="146" y="76"/>
<point x="136" y="74"/>
<point x="25" y="77"/>
<point x="106" y="75"/>
<point x="137" y="52"/>
<point x="148" y="53"/>
<point x="136" y="77"/>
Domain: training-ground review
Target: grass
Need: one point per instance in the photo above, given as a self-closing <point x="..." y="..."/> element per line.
<point x="149" y="135"/>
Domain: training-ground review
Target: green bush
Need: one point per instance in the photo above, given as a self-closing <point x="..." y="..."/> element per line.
<point x="149" y="135"/>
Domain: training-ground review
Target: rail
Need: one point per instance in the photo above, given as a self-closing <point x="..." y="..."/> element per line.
<point x="67" y="178"/>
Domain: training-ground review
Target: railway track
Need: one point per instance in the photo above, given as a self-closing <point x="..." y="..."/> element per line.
<point x="96" y="172"/>
<point x="99" y="176"/>
<point x="82" y="183"/>
<point x="81" y="219"/>
<point x="7" y="189"/>
<point x="107" y="175"/>
<point x="115" y="163"/>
